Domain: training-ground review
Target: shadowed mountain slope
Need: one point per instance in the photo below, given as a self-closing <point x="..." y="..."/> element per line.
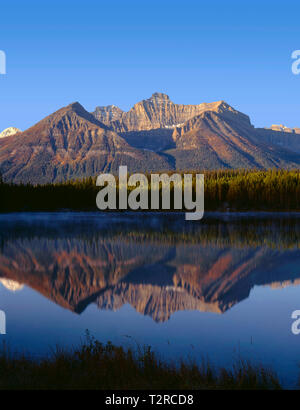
<point x="221" y="139"/>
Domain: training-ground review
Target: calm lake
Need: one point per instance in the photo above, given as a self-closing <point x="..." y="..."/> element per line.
<point x="222" y="288"/>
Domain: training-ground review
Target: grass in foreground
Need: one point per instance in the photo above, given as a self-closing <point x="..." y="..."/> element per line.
<point x="97" y="366"/>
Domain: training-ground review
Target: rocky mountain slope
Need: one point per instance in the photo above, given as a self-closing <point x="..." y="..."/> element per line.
<point x="70" y="144"/>
<point x="158" y="111"/>
<point x="204" y="136"/>
<point x="283" y="137"/>
<point x="223" y="139"/>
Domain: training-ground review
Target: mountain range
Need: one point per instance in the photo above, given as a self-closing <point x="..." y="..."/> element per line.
<point x="154" y="135"/>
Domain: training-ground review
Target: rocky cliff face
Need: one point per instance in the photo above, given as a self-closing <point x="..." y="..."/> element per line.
<point x="108" y="114"/>
<point x="288" y="138"/>
<point x="283" y="128"/>
<point x="158" y="111"/>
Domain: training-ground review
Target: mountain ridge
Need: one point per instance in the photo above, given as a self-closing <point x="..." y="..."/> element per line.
<point x="158" y="111"/>
<point x="216" y="135"/>
<point x="72" y="143"/>
<point x="69" y="144"/>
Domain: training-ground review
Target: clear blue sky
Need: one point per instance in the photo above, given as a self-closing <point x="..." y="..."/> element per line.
<point x="119" y="52"/>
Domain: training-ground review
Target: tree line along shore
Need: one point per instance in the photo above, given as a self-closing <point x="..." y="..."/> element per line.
<point x="233" y="190"/>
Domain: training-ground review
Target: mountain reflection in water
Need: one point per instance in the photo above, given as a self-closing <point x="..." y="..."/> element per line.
<point x="158" y="264"/>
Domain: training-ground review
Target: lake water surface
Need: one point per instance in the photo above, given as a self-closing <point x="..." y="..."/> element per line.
<point x="222" y="288"/>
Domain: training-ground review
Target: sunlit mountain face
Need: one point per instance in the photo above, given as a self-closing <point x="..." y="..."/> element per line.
<point x="159" y="264"/>
<point x="154" y="135"/>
